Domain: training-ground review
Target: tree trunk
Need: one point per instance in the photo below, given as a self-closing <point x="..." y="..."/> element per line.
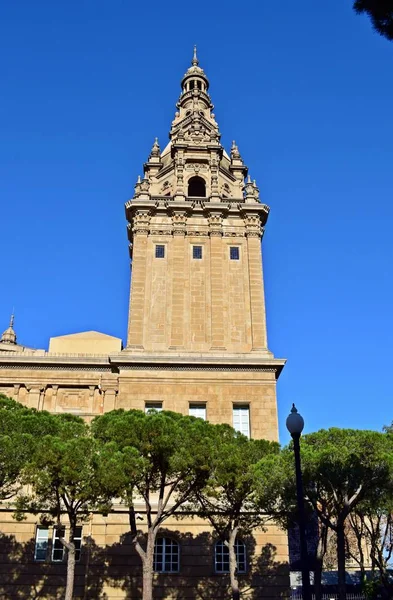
<point x="318" y="579"/>
<point x="69" y="593"/>
<point x="233" y="565"/>
<point x="147" y="591"/>
<point x="341" y="560"/>
<point x="318" y="567"/>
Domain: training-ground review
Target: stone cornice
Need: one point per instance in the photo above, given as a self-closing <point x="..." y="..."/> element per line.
<point x="54" y="360"/>
<point x="198" y="362"/>
<point x="129" y="360"/>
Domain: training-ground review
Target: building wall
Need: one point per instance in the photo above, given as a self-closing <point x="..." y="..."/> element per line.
<point x="109" y="564"/>
<point x="110" y="568"/>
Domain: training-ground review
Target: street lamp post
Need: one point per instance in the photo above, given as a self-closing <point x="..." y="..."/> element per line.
<point x="295" y="424"/>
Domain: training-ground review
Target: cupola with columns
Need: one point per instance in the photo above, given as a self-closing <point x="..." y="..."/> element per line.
<point x="194" y="191"/>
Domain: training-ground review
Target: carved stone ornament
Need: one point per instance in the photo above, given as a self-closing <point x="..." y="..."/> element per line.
<point x="215" y="220"/>
<point x="253" y="226"/>
<point x="141" y="222"/>
<point x="197" y="233"/>
<point x="160" y="232"/>
<point x="196" y="167"/>
<point x="145" y="185"/>
<point x="179" y="221"/>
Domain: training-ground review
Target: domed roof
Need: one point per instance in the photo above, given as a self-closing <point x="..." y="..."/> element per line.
<point x="9" y="335"/>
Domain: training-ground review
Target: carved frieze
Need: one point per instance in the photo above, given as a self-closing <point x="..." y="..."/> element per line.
<point x="197" y="167"/>
<point x="160" y="232"/>
<point x="234" y="233"/>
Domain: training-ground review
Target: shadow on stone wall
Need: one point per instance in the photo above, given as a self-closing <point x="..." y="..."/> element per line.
<point x="118" y="566"/>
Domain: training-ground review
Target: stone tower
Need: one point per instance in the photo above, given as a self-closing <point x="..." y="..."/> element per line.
<point x="195" y="229"/>
<point x="196" y="345"/>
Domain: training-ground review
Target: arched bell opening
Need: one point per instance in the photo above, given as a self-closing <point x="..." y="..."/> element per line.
<point x="197" y="187"/>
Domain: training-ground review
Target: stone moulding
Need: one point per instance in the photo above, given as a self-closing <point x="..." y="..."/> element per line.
<point x="116" y="364"/>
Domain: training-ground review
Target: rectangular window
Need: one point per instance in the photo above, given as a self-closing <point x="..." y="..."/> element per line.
<point x="160" y="251"/>
<point x="197" y="252"/>
<point x="41" y="543"/>
<point x="222" y="557"/>
<point x="78" y="542"/>
<point x="57" y="546"/>
<point x="197" y="410"/>
<point x="166" y="556"/>
<point x="234" y="252"/>
<point x="241" y="419"/>
<point x="153" y="406"/>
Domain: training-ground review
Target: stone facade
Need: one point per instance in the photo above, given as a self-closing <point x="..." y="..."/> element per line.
<point x="196" y="337"/>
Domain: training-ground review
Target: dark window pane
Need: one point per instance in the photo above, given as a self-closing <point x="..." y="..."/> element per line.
<point x="234" y="252"/>
<point x="160" y="251"/>
<point x="222" y="557"/>
<point x="166" y="556"/>
<point x="197" y="252"/>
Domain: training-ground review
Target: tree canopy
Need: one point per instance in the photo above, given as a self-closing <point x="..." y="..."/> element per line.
<point x="228" y="499"/>
<point x="341" y="469"/>
<point x="162" y="459"/>
<point x="380" y="13"/>
<point x="67" y="473"/>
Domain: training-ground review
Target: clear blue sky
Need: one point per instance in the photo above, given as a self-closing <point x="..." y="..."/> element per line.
<point x="306" y="90"/>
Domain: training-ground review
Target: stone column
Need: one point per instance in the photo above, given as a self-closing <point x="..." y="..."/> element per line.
<point x="109" y="399"/>
<point x="16" y="391"/>
<point x="178" y="248"/>
<point x="92" y="389"/>
<point x="257" y="295"/>
<point x="217" y="283"/>
<point x="34" y="397"/>
<point x="138" y="280"/>
<point x="55" y="389"/>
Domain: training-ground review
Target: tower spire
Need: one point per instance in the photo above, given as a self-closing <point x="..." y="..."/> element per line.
<point x="195" y="61"/>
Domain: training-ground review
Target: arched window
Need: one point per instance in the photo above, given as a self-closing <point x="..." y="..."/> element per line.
<point x="197" y="187"/>
<point x="166" y="556"/>
<point x="222" y="557"/>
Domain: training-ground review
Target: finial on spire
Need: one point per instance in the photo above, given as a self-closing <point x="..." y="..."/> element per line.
<point x="12" y="318"/>
<point x="195" y="61"/>
<point x="235" y="150"/>
<point x="155" y="151"/>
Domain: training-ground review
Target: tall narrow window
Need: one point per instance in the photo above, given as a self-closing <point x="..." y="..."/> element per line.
<point x="234" y="252"/>
<point x="197" y="252"/>
<point x="222" y="557"/>
<point x="149" y="406"/>
<point x="41" y="543"/>
<point x="78" y="542"/>
<point x="166" y="556"/>
<point x="160" y="251"/>
<point x="197" y="410"/>
<point x="241" y="418"/>
<point x="57" y="546"/>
